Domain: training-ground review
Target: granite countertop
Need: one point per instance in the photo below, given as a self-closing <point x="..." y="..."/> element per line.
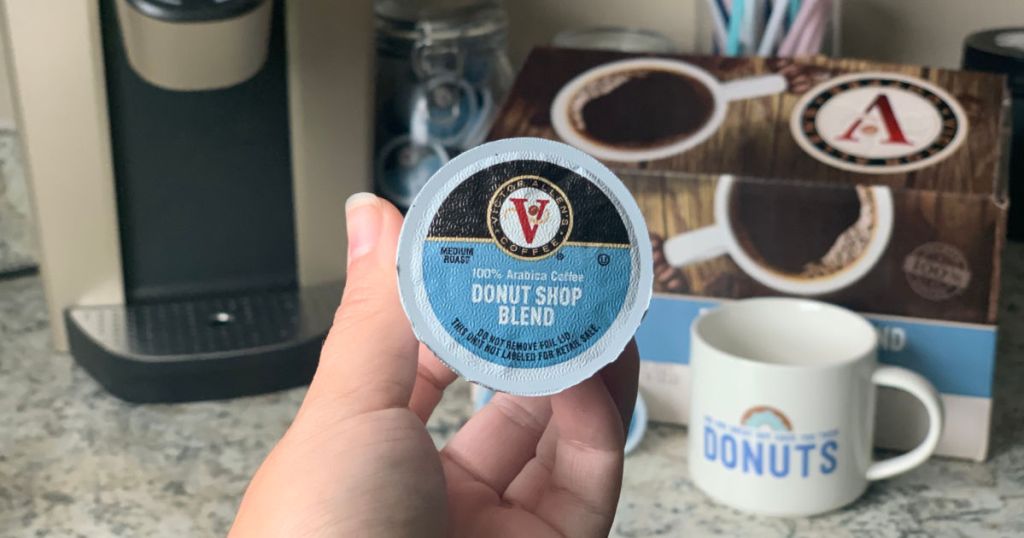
<point x="75" y="461"/>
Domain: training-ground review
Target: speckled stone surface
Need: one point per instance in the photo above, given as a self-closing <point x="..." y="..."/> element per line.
<point x="75" y="461"/>
<point x="17" y="243"/>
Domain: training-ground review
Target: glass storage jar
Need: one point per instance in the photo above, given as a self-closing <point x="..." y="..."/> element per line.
<point x="442" y="71"/>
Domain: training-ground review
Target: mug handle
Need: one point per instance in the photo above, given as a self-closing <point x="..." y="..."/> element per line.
<point x="695" y="246"/>
<point x="920" y="388"/>
<point x="751" y="87"/>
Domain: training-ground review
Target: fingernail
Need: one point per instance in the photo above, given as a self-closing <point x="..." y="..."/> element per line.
<point x="363" y="219"/>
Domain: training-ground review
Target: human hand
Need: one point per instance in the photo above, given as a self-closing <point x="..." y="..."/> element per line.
<point x="358" y="461"/>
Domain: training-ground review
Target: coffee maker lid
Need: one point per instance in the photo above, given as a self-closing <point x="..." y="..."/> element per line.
<point x="194" y="10"/>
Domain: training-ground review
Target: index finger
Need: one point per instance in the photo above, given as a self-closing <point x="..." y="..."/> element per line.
<point x="589" y="421"/>
<point x="432" y="378"/>
<point x="582" y="490"/>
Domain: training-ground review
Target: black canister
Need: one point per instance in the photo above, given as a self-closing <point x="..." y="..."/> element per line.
<point x="1002" y="51"/>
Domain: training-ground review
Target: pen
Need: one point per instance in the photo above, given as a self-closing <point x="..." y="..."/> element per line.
<point x="732" y="44"/>
<point x="771" y="33"/>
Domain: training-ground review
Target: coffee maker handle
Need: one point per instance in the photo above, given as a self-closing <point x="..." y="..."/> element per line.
<point x="695" y="246"/>
<point x="920" y="388"/>
<point x="749" y="88"/>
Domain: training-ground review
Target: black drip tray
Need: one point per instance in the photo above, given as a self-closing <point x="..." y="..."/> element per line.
<point x="202" y="349"/>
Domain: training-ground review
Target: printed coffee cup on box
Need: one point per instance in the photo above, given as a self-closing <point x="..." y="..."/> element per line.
<point x="792" y="237"/>
<point x="525" y="266"/>
<point x="643" y="109"/>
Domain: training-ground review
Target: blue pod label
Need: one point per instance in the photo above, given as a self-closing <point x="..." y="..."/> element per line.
<point x="528" y="276"/>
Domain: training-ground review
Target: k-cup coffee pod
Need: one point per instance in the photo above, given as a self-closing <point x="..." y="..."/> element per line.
<point x="525" y="266"/>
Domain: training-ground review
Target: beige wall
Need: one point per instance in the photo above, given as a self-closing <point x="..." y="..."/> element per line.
<point x="66" y="150"/>
<point x="929" y="32"/>
<point x="913" y="31"/>
<point x="537" y="21"/>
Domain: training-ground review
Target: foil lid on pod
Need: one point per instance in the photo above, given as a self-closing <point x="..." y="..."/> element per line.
<point x="525" y="266"/>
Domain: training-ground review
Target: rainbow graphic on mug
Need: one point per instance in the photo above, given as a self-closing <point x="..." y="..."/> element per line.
<point x="764" y="416"/>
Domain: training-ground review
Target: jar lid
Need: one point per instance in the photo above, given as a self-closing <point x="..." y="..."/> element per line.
<point x="525" y="266"/>
<point x="439" y="20"/>
<point x="999" y="50"/>
<point x="615" y="38"/>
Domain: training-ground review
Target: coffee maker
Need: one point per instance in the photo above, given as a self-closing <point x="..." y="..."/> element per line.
<point x="189" y="162"/>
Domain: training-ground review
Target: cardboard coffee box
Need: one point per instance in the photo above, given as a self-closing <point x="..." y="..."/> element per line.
<point x="877" y="187"/>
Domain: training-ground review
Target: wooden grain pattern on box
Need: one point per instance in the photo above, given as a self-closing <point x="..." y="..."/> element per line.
<point x="755" y="139"/>
<point x="955" y="206"/>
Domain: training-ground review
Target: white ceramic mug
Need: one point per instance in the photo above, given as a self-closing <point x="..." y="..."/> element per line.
<point x="711" y="241"/>
<point x="783" y="406"/>
<point x="722" y="93"/>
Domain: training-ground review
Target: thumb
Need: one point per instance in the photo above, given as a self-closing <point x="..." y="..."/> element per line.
<point x="368" y="361"/>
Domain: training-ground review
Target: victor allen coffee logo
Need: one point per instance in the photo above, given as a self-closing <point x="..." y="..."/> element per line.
<point x="529" y="217"/>
<point x="878" y="123"/>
